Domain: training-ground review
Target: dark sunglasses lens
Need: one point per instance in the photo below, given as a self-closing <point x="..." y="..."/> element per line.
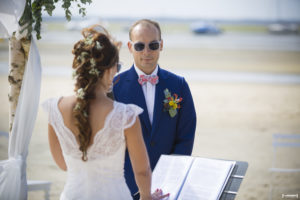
<point x="119" y="66"/>
<point x="154" y="46"/>
<point x="139" y="46"/>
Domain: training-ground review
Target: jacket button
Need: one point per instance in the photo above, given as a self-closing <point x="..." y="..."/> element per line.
<point x="152" y="144"/>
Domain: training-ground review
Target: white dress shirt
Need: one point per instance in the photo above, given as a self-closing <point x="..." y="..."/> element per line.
<point x="149" y="92"/>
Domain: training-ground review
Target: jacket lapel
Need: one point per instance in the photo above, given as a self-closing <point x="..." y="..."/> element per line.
<point x="138" y="97"/>
<point x="159" y="97"/>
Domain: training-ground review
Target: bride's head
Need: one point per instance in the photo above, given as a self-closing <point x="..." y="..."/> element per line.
<point x="95" y="63"/>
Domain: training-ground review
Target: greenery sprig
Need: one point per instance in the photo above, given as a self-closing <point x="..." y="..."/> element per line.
<point x="32" y="16"/>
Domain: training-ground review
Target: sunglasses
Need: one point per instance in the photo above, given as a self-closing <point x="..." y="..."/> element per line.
<point x="140" y="46"/>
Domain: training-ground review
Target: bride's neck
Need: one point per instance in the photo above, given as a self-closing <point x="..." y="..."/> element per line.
<point x="100" y="93"/>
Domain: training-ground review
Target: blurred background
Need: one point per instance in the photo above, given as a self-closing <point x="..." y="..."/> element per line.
<point x="241" y="59"/>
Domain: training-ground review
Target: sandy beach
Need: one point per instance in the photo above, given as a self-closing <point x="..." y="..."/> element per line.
<point x="235" y="120"/>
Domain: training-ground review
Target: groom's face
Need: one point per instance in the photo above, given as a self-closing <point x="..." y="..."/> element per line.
<point x="145" y="59"/>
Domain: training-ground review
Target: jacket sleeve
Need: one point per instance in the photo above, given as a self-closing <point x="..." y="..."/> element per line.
<point x="186" y="125"/>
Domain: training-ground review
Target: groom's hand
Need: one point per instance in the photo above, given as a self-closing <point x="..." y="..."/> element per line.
<point x="158" y="194"/>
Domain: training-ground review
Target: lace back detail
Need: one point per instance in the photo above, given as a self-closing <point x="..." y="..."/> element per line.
<point x="109" y="140"/>
<point x="66" y="138"/>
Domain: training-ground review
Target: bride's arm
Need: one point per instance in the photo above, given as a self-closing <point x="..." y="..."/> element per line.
<point x="139" y="159"/>
<point x="56" y="149"/>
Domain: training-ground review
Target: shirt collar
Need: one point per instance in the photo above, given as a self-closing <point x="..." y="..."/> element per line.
<point x="140" y="72"/>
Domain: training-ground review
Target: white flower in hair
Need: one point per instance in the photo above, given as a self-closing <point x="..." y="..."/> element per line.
<point x="94" y="71"/>
<point x="80" y="93"/>
<point x="98" y="45"/>
<point x="77" y="106"/>
<point x="85" y="114"/>
<point x="82" y="56"/>
<point x="84" y="53"/>
<point x="88" y="40"/>
<point x="74" y="74"/>
<point x="93" y="62"/>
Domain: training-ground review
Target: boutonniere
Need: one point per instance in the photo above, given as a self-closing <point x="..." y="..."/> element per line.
<point x="171" y="103"/>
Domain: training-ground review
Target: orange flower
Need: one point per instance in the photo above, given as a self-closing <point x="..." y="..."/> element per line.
<point x="171" y="103"/>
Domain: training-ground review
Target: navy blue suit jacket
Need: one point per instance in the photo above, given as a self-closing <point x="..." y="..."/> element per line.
<point x="166" y="135"/>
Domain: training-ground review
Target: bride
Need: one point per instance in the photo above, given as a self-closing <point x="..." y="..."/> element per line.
<point x="89" y="133"/>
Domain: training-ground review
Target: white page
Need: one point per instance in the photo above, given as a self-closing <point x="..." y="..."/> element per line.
<point x="169" y="174"/>
<point x="206" y="179"/>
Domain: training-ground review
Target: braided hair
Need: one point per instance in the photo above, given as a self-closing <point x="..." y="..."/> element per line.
<point x="93" y="55"/>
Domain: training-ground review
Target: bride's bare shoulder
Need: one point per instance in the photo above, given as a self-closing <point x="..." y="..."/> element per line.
<point x="66" y="103"/>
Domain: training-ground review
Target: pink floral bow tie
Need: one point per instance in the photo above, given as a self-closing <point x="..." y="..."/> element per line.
<point x="153" y="79"/>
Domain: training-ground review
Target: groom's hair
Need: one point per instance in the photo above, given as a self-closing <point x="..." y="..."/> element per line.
<point x="93" y="55"/>
<point x="145" y="22"/>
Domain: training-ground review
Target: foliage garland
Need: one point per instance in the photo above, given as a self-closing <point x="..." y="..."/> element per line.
<point x="32" y="16"/>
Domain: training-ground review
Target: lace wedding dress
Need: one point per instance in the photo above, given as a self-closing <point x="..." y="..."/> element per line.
<point x="102" y="176"/>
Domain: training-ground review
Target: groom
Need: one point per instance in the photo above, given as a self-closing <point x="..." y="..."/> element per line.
<point x="169" y="118"/>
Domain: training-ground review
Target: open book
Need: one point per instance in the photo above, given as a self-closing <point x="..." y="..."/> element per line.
<point x="186" y="177"/>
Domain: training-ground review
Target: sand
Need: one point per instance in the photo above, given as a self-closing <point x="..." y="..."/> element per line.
<point x="235" y="120"/>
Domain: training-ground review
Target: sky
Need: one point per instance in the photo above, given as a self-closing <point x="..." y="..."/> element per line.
<point x="205" y="9"/>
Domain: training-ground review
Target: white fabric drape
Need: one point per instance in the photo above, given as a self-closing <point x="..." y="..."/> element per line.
<point x="13" y="183"/>
<point x="10" y="13"/>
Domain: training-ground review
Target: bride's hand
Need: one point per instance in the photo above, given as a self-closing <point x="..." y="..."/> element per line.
<point x="158" y="194"/>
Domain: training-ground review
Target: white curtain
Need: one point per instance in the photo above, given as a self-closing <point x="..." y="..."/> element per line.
<point x="10" y="13"/>
<point x="13" y="183"/>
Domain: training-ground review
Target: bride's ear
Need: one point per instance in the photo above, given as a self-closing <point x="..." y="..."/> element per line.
<point x="113" y="71"/>
<point x="108" y="76"/>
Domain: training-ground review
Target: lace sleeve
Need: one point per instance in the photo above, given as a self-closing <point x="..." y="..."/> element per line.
<point x="48" y="106"/>
<point x="131" y="112"/>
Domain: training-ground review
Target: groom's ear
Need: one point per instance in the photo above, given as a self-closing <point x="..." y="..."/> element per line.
<point x="129" y="44"/>
<point x="161" y="45"/>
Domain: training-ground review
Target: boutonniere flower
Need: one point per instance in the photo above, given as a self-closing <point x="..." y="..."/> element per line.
<point x="171" y="103"/>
